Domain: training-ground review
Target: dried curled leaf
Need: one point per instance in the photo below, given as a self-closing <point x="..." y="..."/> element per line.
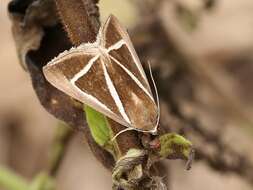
<point x="28" y="24"/>
<point x="128" y="170"/>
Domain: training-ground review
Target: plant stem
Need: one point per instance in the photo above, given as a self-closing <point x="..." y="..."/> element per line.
<point x="12" y="181"/>
<point x="75" y="18"/>
<point x="62" y="137"/>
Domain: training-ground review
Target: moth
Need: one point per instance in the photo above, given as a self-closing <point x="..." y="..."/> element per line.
<point x="107" y="75"/>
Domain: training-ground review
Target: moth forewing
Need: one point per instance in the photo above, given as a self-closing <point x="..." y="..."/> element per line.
<point x="140" y="108"/>
<point x="112" y="33"/>
<point x="120" y="50"/>
<point x="108" y="76"/>
<point x="61" y="71"/>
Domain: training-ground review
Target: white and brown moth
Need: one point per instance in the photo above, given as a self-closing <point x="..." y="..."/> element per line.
<point x="107" y="75"/>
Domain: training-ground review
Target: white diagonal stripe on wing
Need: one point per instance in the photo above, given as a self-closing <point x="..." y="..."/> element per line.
<point x="133" y="77"/>
<point x="114" y="93"/>
<point x="92" y="98"/>
<point x="137" y="62"/>
<point x="115" y="46"/>
<point x="118" y="45"/>
<point x="84" y="70"/>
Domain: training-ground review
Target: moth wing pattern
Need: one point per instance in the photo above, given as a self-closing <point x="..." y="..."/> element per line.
<point x="115" y="38"/>
<point x="61" y="71"/>
<point x="127" y="72"/>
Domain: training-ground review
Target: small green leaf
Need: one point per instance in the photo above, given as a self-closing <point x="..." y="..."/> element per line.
<point x="174" y="146"/>
<point x="98" y="125"/>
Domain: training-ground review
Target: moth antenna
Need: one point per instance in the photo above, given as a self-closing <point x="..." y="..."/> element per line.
<point x="122" y="131"/>
<point x="156" y="93"/>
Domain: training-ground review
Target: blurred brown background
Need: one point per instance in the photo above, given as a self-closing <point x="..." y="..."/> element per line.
<point x="26" y="129"/>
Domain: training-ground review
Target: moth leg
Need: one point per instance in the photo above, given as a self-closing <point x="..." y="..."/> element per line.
<point x="123" y="131"/>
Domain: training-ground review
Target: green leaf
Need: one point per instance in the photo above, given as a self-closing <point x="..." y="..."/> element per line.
<point x="175" y="146"/>
<point x="98" y="126"/>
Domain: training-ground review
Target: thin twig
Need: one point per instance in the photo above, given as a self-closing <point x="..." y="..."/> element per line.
<point x="61" y="140"/>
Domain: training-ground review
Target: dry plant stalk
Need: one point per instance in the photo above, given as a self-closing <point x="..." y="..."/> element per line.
<point x="135" y="152"/>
